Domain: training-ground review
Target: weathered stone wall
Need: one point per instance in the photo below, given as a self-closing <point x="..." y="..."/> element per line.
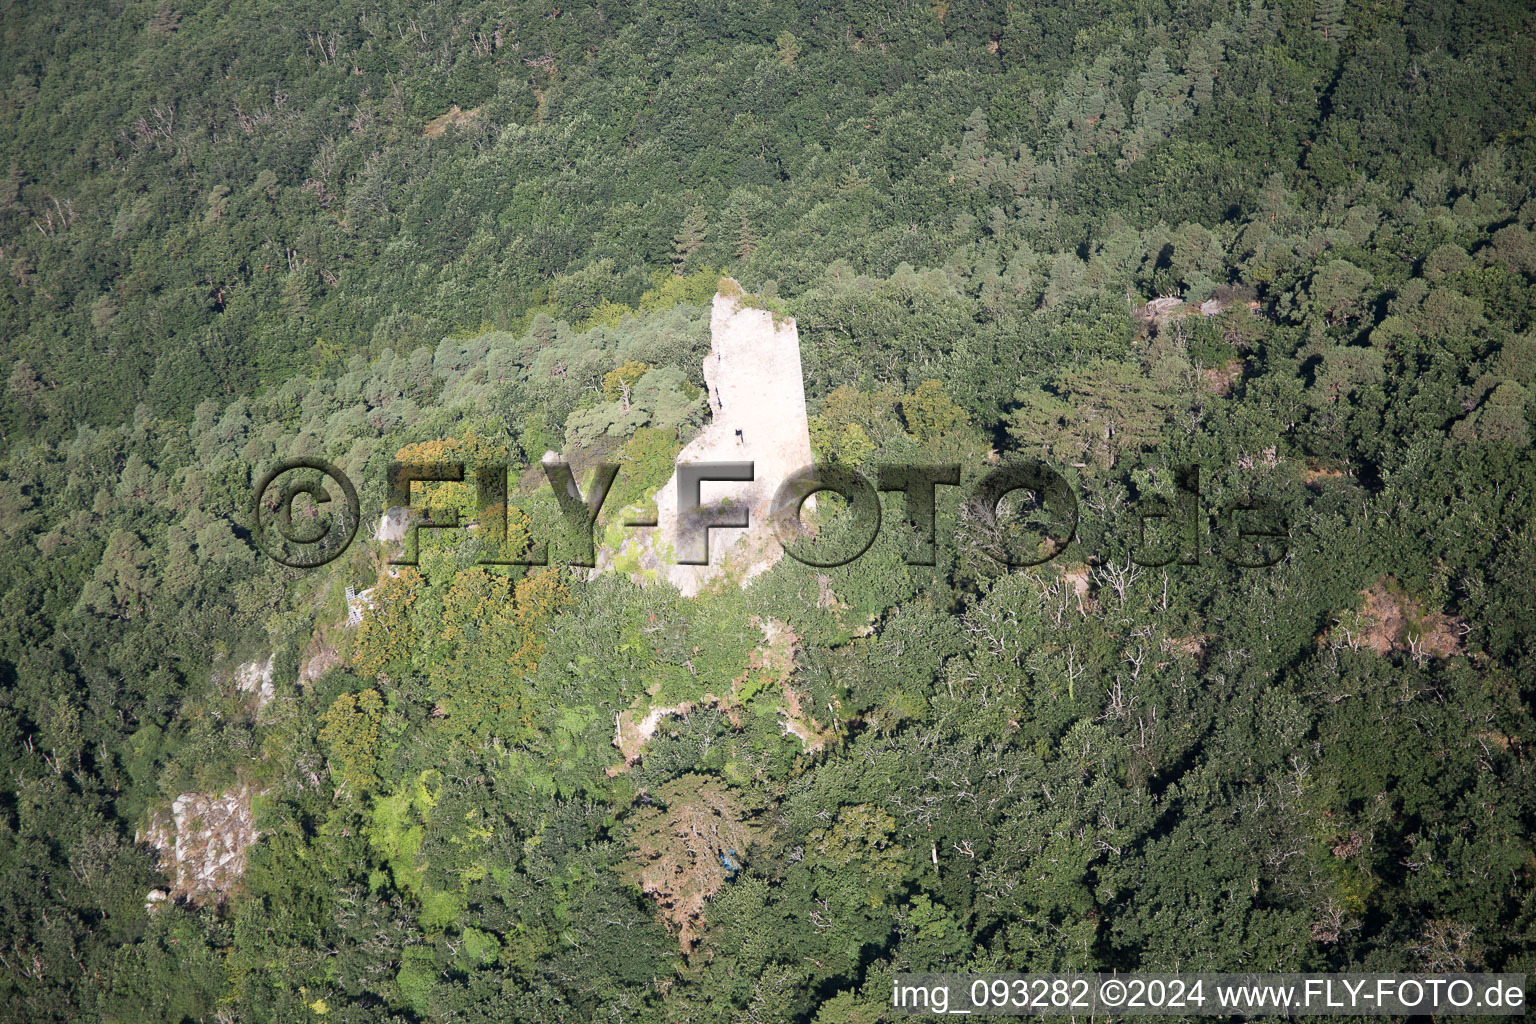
<point x="757" y="406"/>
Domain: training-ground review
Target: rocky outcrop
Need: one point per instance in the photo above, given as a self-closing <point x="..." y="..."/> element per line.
<point x="392" y="525"/>
<point x="322" y="657"/>
<point x="255" y="678"/>
<point x="1170" y="307"/>
<point x="1161" y="310"/>
<point x="202" y="842"/>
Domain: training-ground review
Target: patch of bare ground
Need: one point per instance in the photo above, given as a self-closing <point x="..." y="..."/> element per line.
<point x="1187" y="646"/>
<point x="1064" y="588"/>
<point x="799" y="723"/>
<point x="1502" y="741"/>
<point x="1078" y="579"/>
<point x="1314" y="476"/>
<point x="1220" y="380"/>
<point x="455" y="116"/>
<point x="1392" y="620"/>
<point x="776" y="657"/>
<point x="319" y="659"/>
<point x="825" y="596"/>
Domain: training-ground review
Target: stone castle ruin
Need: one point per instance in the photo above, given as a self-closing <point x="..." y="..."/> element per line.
<point x="757" y="406"/>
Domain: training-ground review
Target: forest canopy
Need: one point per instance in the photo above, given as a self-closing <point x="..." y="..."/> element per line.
<point x="1290" y="244"/>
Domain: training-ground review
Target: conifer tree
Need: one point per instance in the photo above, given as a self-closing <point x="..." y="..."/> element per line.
<point x="746" y="239"/>
<point x="689" y="238"/>
<point x="1328" y="19"/>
